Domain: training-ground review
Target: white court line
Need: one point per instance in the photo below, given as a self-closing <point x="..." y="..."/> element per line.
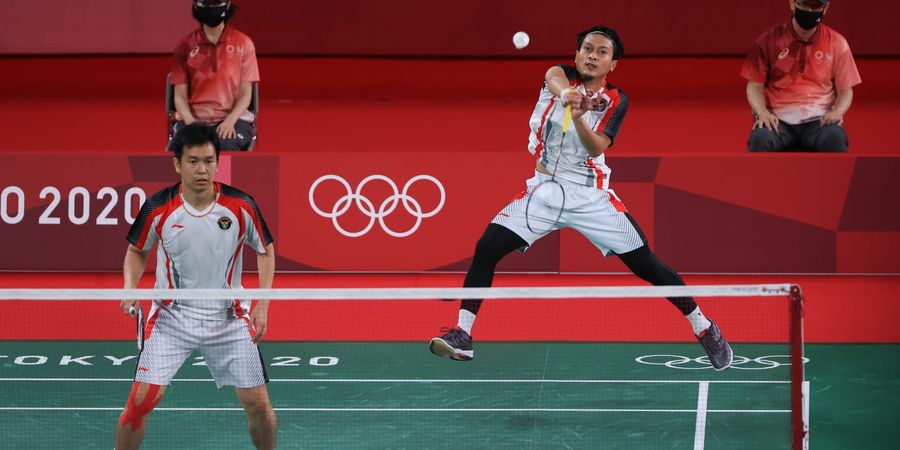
<point x="596" y="410"/>
<point x="420" y="380"/>
<point x="700" y="427"/>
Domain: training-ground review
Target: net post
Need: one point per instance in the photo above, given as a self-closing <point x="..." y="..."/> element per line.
<point x="799" y="421"/>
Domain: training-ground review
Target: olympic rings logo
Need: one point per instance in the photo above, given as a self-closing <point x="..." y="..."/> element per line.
<point x="388" y="206"/>
<point x="702" y="362"/>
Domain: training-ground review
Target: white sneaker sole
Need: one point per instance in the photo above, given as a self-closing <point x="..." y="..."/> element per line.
<point x="440" y="347"/>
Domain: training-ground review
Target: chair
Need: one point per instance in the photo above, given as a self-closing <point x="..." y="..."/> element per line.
<point x="170" y="110"/>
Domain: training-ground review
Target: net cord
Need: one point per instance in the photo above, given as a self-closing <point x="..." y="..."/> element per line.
<point x="748" y="290"/>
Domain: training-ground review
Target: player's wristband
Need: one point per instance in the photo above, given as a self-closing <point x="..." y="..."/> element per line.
<point x="562" y="93"/>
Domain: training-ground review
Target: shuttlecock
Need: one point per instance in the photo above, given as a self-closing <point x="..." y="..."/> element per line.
<point x="521" y="39"/>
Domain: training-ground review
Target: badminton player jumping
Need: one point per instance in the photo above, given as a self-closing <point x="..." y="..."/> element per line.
<point x="573" y="164"/>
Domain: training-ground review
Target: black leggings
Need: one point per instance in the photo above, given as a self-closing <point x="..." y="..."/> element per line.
<point x="499" y="241"/>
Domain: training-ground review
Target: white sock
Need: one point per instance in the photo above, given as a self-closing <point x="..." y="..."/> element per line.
<point x="699" y="322"/>
<point x="466" y="320"/>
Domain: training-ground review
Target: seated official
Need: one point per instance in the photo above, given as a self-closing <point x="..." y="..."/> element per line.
<point x="213" y="74"/>
<point x="800" y="77"/>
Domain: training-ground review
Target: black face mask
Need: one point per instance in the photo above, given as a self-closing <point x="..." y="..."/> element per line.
<point x="807" y="19"/>
<point x="211" y="16"/>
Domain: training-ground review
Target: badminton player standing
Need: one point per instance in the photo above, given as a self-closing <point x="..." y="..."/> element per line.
<point x="199" y="227"/>
<point x="591" y="208"/>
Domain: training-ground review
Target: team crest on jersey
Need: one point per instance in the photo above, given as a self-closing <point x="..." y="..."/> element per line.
<point x="224" y="223"/>
<point x="599" y="104"/>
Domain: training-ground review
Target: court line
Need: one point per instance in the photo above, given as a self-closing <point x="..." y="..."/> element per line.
<point x="700" y="427"/>
<point x="535" y="428"/>
<point x="422" y="380"/>
<point x="597" y="410"/>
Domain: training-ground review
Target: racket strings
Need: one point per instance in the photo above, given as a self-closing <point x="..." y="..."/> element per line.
<point x="549" y="194"/>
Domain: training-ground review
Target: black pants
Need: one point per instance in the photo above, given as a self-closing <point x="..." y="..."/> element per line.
<point x="805" y="137"/>
<point x="499" y="241"/>
<point x="244" y="130"/>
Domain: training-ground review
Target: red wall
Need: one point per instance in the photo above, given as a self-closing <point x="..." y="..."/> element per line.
<point x="431" y="27"/>
<point x="93" y="26"/>
<point x="699" y="106"/>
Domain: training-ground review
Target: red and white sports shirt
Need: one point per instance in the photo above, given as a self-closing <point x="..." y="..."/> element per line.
<point x="200" y="249"/>
<point x="214" y="72"/>
<point x="801" y="79"/>
<point x="575" y="163"/>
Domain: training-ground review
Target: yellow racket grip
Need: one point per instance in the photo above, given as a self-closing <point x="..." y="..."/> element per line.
<point x="567" y="119"/>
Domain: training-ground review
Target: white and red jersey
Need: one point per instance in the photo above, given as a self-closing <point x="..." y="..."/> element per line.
<point x="801" y="79"/>
<point x="575" y="163"/>
<point x="200" y="249"/>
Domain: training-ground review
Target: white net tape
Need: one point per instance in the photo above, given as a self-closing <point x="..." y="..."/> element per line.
<point x="748" y="290"/>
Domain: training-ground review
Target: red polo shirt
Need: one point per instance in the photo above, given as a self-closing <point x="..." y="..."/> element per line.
<point x="214" y="72"/>
<point x="801" y="79"/>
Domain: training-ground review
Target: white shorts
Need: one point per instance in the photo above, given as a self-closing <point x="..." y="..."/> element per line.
<point x="596" y="213"/>
<point x="170" y="336"/>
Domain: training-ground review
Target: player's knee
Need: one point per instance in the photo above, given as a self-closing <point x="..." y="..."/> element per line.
<point x="496" y="242"/>
<point x="761" y="140"/>
<point x="832" y="138"/>
<point x="644" y="263"/>
<point x="259" y="407"/>
<point x="139" y="405"/>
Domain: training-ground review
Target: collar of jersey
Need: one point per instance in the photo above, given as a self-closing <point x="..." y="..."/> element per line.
<point x="205" y="40"/>
<point x="193" y="211"/>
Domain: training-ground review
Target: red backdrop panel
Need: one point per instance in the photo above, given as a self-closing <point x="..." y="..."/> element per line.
<point x="868" y="252"/>
<point x="780" y="186"/>
<point x="419" y="211"/>
<point x="369" y="225"/>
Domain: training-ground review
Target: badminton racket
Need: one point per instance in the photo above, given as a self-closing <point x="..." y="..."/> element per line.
<point x="138" y="315"/>
<point x="547" y="200"/>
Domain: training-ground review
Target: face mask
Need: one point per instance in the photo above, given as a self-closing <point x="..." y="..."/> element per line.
<point x="210" y="16"/>
<point x="807" y="19"/>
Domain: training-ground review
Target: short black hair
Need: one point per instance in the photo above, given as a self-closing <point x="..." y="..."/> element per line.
<point x="195" y="135"/>
<point x="619" y="49"/>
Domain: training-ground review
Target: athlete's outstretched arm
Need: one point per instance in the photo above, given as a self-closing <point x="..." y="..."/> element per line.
<point x="265" y="264"/>
<point x="132" y="269"/>
<point x="595" y="142"/>
<point x="559" y="86"/>
<point x="556" y="80"/>
<point x="558" y="83"/>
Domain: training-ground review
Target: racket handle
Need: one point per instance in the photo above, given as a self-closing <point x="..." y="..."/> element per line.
<point x="131" y="311"/>
<point x="567" y="119"/>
